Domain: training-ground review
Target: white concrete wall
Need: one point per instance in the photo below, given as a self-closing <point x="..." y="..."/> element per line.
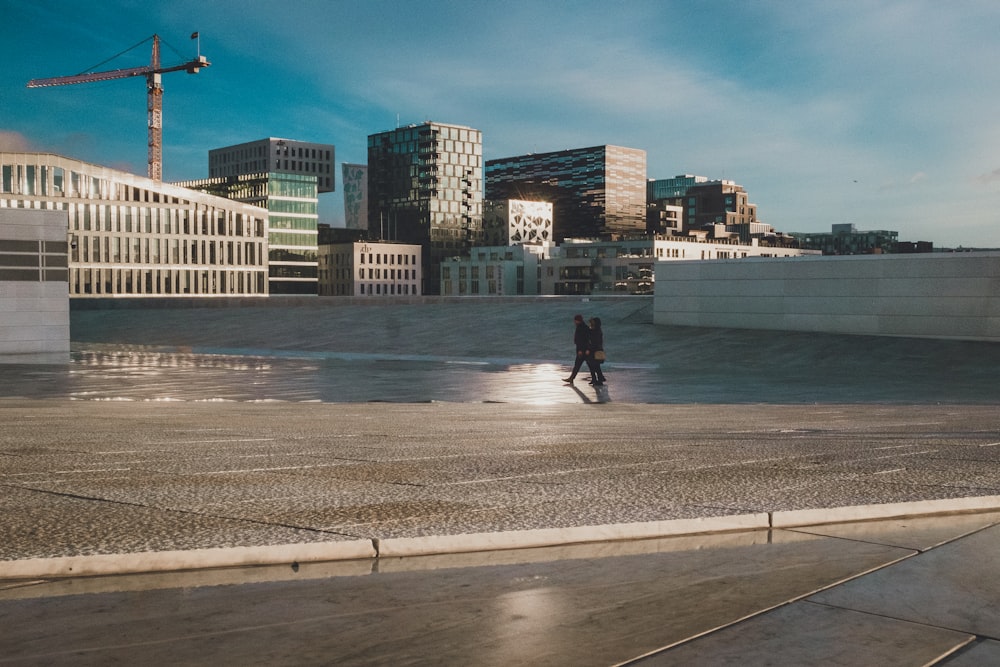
<point x="935" y="295"/>
<point x="34" y="314"/>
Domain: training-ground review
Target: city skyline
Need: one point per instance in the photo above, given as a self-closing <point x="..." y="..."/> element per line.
<point x="879" y="114"/>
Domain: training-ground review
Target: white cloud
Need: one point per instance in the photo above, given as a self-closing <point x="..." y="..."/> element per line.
<point x="14" y="142"/>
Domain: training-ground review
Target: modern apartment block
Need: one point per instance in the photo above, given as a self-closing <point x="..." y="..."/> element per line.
<point x="129" y="235"/>
<point x="595" y="192"/>
<point x="425" y="187"/>
<point x="718" y="203"/>
<point x="276" y="155"/>
<point x="292" y="223"/>
<point x="369" y="269"/>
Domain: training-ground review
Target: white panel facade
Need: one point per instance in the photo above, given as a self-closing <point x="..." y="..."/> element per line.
<point x="34" y="292"/>
<point x="940" y="295"/>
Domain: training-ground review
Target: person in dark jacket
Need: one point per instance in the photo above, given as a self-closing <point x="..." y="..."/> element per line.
<point x="596" y="345"/>
<point x="581" y="339"/>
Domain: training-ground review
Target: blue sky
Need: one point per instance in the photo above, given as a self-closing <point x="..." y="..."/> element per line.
<point x="885" y="114"/>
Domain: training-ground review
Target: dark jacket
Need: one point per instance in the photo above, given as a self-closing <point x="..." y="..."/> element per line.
<point x="581" y="337"/>
<point x="596" y="340"/>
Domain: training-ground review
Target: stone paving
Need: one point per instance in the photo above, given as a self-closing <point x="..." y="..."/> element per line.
<point x="93" y="478"/>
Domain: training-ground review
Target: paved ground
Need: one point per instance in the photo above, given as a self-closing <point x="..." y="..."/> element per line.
<point x="428" y="492"/>
<point x="94" y="487"/>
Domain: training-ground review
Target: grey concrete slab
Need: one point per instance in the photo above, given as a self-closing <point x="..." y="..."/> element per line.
<point x="805" y="633"/>
<point x="562" y="608"/>
<point x="982" y="652"/>
<point x="914" y="532"/>
<point x="956" y="585"/>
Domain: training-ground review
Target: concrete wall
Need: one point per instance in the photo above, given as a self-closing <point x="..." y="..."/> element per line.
<point x="34" y="290"/>
<point x="935" y="295"/>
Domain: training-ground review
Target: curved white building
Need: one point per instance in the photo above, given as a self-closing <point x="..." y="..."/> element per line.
<point x="131" y="236"/>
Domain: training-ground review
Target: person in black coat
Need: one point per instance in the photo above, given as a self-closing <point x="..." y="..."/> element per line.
<point x="596" y="345"/>
<point x="581" y="339"/>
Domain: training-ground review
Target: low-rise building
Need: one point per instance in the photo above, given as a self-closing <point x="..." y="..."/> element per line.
<point x="627" y="265"/>
<point x="369" y="269"/>
<point x="495" y="271"/>
<point x="845" y="239"/>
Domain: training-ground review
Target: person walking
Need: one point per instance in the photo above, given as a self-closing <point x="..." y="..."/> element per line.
<point x="581" y="339"/>
<point x="595" y="357"/>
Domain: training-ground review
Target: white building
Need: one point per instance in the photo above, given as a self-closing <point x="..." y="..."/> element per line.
<point x="34" y="300"/>
<point x="595" y="267"/>
<point x="495" y="271"/>
<point x="369" y="269"/>
<point x="129" y="235"/>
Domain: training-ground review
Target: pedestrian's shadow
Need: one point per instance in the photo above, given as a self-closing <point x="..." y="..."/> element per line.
<point x="601" y="394"/>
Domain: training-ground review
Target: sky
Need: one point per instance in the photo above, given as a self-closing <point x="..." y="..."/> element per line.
<point x="880" y="113"/>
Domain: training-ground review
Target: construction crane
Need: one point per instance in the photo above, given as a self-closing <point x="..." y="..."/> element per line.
<point x="154" y="93"/>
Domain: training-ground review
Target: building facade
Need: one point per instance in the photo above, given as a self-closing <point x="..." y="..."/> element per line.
<point x="425" y="187"/>
<point x="595" y="192"/>
<point x="276" y="155"/>
<point x="671" y="188"/>
<point x="355" y="186"/>
<point x="129" y="235"/>
<point x="292" y="223"/>
<point x="718" y="203"/>
<point x="515" y="221"/>
<point x="845" y="239"/>
<point x="495" y="271"/>
<point x="34" y="294"/>
<point x="627" y="266"/>
<point x="369" y="269"/>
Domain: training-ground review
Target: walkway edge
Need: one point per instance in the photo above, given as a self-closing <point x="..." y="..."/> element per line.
<point x="548" y="537"/>
<point x="197" y="559"/>
<point x="814" y="517"/>
<point x="194" y="559"/>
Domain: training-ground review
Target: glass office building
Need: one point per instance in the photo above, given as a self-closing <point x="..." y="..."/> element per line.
<point x="595" y="192"/>
<point x="425" y="187"/>
<point x="273" y="155"/>
<point x="292" y="214"/>
<point x="129" y="235"/>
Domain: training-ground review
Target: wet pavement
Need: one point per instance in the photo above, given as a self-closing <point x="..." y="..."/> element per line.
<point x="485" y="350"/>
<point x="413" y="484"/>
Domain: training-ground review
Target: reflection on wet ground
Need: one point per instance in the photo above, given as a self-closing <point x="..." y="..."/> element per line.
<point x="481" y="350"/>
<point x="137" y="374"/>
<point x="182" y="376"/>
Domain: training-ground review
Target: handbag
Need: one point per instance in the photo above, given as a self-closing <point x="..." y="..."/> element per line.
<point x="599" y="355"/>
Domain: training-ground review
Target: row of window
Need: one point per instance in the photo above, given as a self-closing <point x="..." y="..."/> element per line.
<point x="378" y="289"/>
<point x="166" y="281"/>
<point x="388" y="274"/>
<point x="92" y="249"/>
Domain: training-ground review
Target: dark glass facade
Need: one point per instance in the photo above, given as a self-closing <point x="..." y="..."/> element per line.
<point x="425" y="187"/>
<point x="595" y="192"/>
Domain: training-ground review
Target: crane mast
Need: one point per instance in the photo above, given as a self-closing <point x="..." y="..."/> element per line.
<point x="154" y="95"/>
